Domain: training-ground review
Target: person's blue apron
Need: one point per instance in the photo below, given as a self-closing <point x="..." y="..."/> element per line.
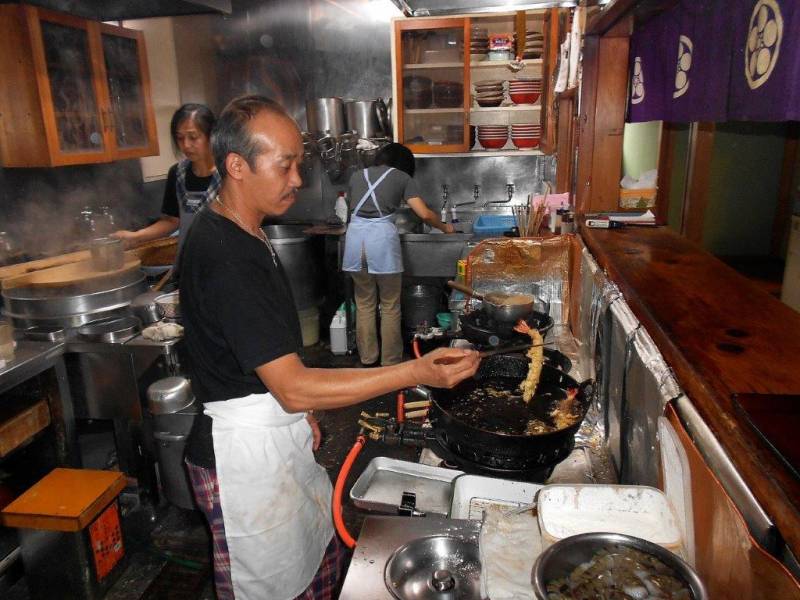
<point x="377" y="238"/>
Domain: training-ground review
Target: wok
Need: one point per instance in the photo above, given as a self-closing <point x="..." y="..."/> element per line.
<point x="507" y="308"/>
<point x="490" y="432"/>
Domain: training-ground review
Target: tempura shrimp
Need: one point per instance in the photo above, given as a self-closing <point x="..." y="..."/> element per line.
<point x="536" y="356"/>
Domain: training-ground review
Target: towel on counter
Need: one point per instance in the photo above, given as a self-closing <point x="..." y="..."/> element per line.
<point x="162" y="331"/>
<point x="509" y="544"/>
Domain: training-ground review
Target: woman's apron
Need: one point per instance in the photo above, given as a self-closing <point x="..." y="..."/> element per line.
<point x="377" y="238"/>
<point x="191" y="202"/>
<point x="275" y="498"/>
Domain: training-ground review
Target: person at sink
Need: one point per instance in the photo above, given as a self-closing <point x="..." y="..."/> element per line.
<point x="250" y="454"/>
<point x="190" y="182"/>
<point x="372" y="252"/>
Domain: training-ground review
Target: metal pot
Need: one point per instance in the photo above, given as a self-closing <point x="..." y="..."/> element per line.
<point x="363" y="117"/>
<point x="507" y="308"/>
<point x="480" y="441"/>
<point x="145" y="309"/>
<point x="325" y="116"/>
<point x="560" y="559"/>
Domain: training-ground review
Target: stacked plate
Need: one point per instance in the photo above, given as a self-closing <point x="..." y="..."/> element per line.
<point x="478" y="43"/>
<point x="489" y="93"/>
<point x="493" y="137"/>
<point x="526" y="136"/>
<point x="534" y="45"/>
<point x="524" y="90"/>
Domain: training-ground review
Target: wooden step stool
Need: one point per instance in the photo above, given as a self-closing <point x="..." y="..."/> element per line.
<point x="70" y="533"/>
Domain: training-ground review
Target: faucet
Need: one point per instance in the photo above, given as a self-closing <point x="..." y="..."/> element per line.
<point x="444" y="196"/>
<point x="509" y="191"/>
<point x="476" y="194"/>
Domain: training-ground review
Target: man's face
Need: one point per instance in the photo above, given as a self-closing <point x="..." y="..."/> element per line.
<point x="272" y="185"/>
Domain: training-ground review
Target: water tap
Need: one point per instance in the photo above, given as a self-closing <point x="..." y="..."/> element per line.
<point x="444" y="195"/>
<point x="476" y="193"/>
<point x="510" y="191"/>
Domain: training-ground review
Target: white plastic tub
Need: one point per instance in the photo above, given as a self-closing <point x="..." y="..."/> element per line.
<point x="641" y="511"/>
<point x="472" y="494"/>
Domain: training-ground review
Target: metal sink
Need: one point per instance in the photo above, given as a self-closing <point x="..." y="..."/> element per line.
<point x="432" y="254"/>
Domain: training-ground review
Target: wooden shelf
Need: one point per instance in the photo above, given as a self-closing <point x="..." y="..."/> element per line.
<point x="441" y="65"/>
<point x="501" y="152"/>
<point x="487" y="64"/>
<point x="432" y="111"/>
<point x="503" y="109"/>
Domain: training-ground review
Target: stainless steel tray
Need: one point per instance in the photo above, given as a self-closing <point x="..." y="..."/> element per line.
<point x="380" y="487"/>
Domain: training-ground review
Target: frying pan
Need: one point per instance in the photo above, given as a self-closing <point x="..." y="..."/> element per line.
<point x="492" y="435"/>
<point x="507" y="308"/>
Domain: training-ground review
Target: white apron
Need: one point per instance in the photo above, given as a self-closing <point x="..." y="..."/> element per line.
<point x="275" y="498"/>
<point x="377" y="238"/>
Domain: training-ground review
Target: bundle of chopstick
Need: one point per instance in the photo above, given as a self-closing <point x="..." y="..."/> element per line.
<point x="529" y="218"/>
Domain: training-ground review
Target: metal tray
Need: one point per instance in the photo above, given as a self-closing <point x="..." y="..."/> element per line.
<point x="111" y="331"/>
<point x="380" y="487"/>
<point x="473" y="493"/>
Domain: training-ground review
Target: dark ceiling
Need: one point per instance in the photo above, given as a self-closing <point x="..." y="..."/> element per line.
<point x="117" y="10"/>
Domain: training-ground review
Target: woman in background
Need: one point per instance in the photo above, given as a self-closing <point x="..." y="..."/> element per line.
<point x="191" y="183"/>
<point x="372" y="249"/>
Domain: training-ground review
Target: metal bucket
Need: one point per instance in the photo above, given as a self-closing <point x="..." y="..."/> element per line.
<point x="420" y="303"/>
<point x="296" y="251"/>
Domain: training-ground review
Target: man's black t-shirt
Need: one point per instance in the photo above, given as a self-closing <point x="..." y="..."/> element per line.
<point x="238" y="313"/>
<point x="169" y="203"/>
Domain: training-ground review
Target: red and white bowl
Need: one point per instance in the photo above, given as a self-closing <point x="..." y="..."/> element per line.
<point x="518" y="97"/>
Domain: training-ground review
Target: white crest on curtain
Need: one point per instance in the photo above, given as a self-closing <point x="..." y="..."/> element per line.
<point x="763" y="42"/>
<point x="637" y="82"/>
<point x="685" y="49"/>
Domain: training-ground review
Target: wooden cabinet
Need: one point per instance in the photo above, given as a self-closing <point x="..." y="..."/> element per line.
<point x="435" y="73"/>
<point x="74" y="91"/>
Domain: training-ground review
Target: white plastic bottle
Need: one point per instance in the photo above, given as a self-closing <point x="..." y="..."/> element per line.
<point x="340" y="208"/>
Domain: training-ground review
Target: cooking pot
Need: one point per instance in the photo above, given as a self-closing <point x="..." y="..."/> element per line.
<point x="506" y="308"/>
<point x="325" y="116"/>
<point x="364" y="117"/>
<point x="490" y="433"/>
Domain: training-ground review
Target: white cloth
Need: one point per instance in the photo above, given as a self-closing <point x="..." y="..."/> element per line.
<point x="275" y="498"/>
<point x="575" y="39"/>
<point x="159" y="332"/>
<point x="508" y="545"/>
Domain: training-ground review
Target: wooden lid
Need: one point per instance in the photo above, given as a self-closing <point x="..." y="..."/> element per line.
<point x="64" y="500"/>
<point x="69" y="274"/>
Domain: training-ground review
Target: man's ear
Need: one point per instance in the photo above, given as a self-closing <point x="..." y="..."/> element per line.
<point x="235" y="165"/>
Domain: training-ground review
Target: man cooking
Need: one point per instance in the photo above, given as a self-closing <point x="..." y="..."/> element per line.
<point x="250" y="455"/>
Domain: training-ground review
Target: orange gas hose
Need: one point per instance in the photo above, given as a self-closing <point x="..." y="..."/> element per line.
<point x="401" y="408"/>
<point x="338" y="522"/>
<point x="415" y="346"/>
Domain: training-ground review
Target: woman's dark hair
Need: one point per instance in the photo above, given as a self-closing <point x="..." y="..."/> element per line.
<point x="199" y="114"/>
<point x="231" y="133"/>
<point x="397" y="156"/>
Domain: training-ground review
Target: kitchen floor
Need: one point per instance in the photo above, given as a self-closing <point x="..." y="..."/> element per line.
<point x="168" y="548"/>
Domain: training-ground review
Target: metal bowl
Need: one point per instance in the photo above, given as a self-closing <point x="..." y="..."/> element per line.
<point x="169" y="305"/>
<point x="439" y="567"/>
<point x="560" y="559"/>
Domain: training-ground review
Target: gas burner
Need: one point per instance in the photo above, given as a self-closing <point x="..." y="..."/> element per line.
<point x="479" y="328"/>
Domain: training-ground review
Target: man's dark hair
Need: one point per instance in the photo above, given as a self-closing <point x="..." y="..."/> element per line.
<point x="199" y="114"/>
<point x="231" y="133"/>
<point x="397" y="156"/>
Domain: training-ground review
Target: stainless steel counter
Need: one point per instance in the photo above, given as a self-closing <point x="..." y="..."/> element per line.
<point x="380" y="537"/>
<point x="30" y="359"/>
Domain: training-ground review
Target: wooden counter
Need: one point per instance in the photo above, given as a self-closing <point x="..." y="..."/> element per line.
<point x="722" y="335"/>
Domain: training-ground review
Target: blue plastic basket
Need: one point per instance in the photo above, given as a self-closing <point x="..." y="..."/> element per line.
<point x="486" y="226"/>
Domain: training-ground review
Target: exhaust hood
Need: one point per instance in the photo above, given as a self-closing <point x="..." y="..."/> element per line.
<point x="429" y="8"/>
<point x="119" y="10"/>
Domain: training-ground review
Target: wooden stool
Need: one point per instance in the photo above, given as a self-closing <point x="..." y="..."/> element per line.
<point x="70" y="533"/>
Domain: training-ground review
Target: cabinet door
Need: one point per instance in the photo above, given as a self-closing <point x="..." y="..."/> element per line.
<point x="65" y="53"/>
<point x="432" y="76"/>
<point x="133" y="129"/>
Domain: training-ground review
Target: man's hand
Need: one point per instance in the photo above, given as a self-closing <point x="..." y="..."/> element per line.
<point x="315" y="430"/>
<point x="446" y="367"/>
<point x="128" y="238"/>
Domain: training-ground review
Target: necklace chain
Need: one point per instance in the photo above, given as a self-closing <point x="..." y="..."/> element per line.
<point x="263" y="236"/>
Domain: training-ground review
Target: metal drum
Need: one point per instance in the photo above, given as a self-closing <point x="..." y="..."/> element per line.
<point x="73" y="305"/>
<point x="420" y="304"/>
<point x="296" y="251"/>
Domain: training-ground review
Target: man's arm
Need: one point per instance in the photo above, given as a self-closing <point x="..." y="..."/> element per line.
<point x="299" y="388"/>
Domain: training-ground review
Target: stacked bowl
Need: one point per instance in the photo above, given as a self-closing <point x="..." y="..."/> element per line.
<point x="493" y="137"/>
<point x="534" y="45"/>
<point x="448" y="94"/>
<point x="478" y="43"/>
<point x="489" y="93"/>
<point x="417" y="91"/>
<point x="526" y="136"/>
<point x="524" y="91"/>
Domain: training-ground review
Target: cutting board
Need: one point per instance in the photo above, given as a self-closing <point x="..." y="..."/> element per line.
<point x="69" y="274"/>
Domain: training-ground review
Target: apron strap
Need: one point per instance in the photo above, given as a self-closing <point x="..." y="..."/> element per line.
<point x="371" y="192"/>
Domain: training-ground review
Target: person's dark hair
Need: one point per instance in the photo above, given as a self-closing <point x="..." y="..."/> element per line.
<point x="231" y="133"/>
<point x="397" y="156"/>
<point x="199" y="114"/>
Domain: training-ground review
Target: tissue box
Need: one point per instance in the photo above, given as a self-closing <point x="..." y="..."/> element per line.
<point x="644" y="198"/>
